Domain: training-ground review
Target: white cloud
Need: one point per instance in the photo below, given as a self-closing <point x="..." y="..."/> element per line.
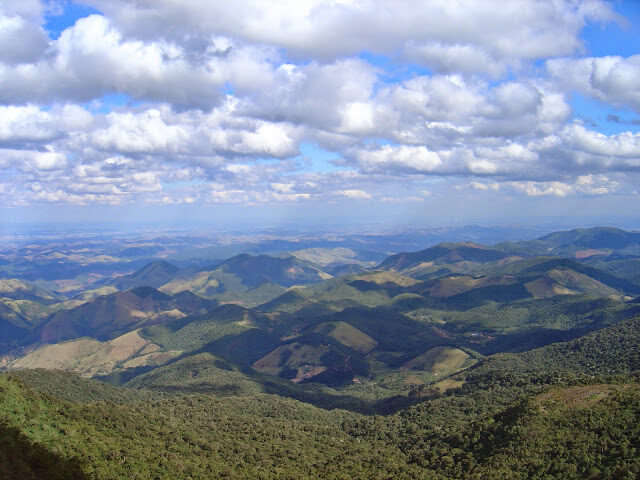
<point x="592" y="185"/>
<point x="145" y="132"/>
<point x="32" y="124"/>
<point x="219" y="101"/>
<point x="20" y="40"/>
<point x="613" y="79"/>
<point x="356" y="194"/>
<point x="519" y="29"/>
<point x="625" y="144"/>
<point x="536" y="189"/>
<point x="93" y="58"/>
<point x="452" y="58"/>
<point x="403" y="158"/>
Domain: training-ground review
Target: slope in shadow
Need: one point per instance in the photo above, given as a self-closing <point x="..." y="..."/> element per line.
<point x="23" y="459"/>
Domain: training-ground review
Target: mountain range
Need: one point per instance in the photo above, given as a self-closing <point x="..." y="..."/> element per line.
<point x="288" y="318"/>
<point x="412" y="336"/>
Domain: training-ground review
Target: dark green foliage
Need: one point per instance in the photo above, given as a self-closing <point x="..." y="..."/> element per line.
<point x="494" y="293"/>
<point x="199" y="437"/>
<point x="201" y="373"/>
<point x="154" y="274"/>
<point x="496" y="426"/>
<point x="445" y="252"/>
<point x="193" y="332"/>
<point x="68" y="386"/>
<point x="244" y="348"/>
<point x="604" y="277"/>
<point x="557" y="397"/>
<point x="255" y="270"/>
<point x="622" y="266"/>
<point x="614" y="350"/>
<point x="20" y="458"/>
<point x="512" y="418"/>
<point x="112" y="315"/>
<point x="10" y="334"/>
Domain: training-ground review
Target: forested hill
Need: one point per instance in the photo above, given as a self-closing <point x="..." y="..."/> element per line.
<point x="563" y="411"/>
<point x="459" y="361"/>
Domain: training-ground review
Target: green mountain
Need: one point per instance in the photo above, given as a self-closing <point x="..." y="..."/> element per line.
<point x="184" y="436"/>
<point x="370" y="289"/>
<point x="194" y="332"/>
<point x="246" y="279"/>
<point x="16" y="289"/>
<point x="256" y="270"/>
<point x="442" y="259"/>
<point x="458" y="361"/>
<point x="379" y="328"/>
<point x="576" y="276"/>
<point x="153" y="275"/>
<point x="596" y="238"/>
<point x="622" y="266"/>
<point x="108" y="316"/>
<point x="578" y="243"/>
<point x="22" y="306"/>
<point x="564" y="411"/>
<point x="12" y="329"/>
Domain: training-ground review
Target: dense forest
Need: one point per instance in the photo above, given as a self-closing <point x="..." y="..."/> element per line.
<point x="459" y="361"/>
<point x="568" y="410"/>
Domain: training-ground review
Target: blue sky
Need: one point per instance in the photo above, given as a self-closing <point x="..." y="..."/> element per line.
<point x="419" y="112"/>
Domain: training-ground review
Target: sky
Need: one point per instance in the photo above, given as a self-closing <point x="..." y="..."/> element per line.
<point x="345" y="111"/>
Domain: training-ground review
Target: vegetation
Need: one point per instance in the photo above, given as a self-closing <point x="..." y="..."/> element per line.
<point x="513" y="417"/>
<point x="520" y="360"/>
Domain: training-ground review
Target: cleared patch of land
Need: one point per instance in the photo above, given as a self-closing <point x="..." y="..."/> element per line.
<point x="440" y="360"/>
<point x="349" y="336"/>
<point x="580" y="396"/>
<point x="90" y="357"/>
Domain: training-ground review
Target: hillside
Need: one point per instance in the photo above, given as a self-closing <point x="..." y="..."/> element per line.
<point x="94" y="358"/>
<point x="456" y="345"/>
<point x="578" y="243"/>
<point x="16" y="289"/>
<point x="461" y="256"/>
<point x="369" y="329"/>
<point x="508" y="417"/>
<point x="208" y="437"/>
<point x="108" y="316"/>
<point x="153" y="275"/>
<point x="246" y="279"/>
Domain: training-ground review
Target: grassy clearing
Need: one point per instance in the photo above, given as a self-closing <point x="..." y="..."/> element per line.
<point x="580" y="396"/>
<point x="350" y="336"/>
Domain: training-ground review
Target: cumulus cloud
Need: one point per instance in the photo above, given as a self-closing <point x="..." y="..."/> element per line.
<point x="356" y="194"/>
<point x="519" y="29"/>
<point x="20" y="41"/>
<point x="592" y="185"/>
<point x="93" y="58"/>
<point x="613" y="79"/>
<point x="451" y="58"/>
<point x="404" y="158"/>
<point x="219" y="102"/>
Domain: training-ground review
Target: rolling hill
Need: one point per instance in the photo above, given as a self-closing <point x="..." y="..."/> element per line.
<point x="16" y="289"/>
<point x="442" y="259"/>
<point x="109" y="316"/>
<point x="246" y="279"/>
<point x="153" y="275"/>
<point x="417" y="316"/>
<point x="510" y="416"/>
<point x="578" y="243"/>
<point x="91" y="357"/>
<point x="458" y="361"/>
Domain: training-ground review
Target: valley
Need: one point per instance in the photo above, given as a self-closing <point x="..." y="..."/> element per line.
<point x="432" y="330"/>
